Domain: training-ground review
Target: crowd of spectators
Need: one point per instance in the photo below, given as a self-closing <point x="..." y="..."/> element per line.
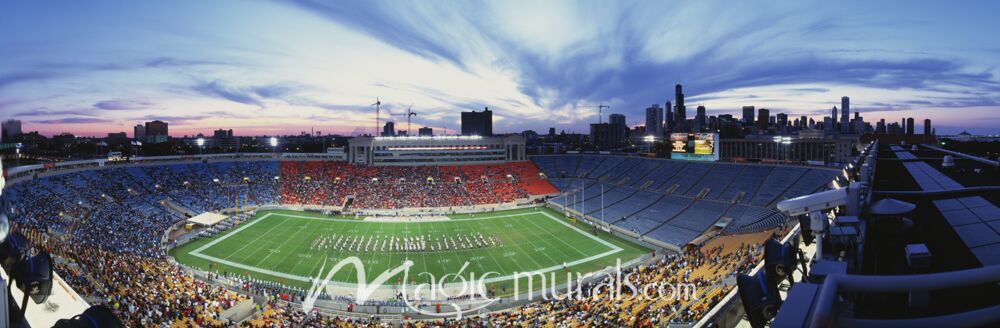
<point x="333" y="183"/>
<point x="105" y="227"/>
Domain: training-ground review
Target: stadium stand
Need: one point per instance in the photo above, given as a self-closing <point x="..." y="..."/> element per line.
<point x="676" y="201"/>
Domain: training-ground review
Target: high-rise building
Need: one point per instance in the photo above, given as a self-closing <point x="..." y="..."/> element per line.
<point x="781" y="120"/>
<point x="427" y="132"/>
<point x="619" y="130"/>
<point x="477" y="123"/>
<point x="389" y="129"/>
<point x="763" y="118"/>
<point x="700" y="123"/>
<point x="880" y="127"/>
<point x="654" y="119"/>
<point x="669" y="123"/>
<point x="845" y="114"/>
<point x="829" y="123"/>
<point x="139" y="132"/>
<point x="909" y="125"/>
<point x="157" y="132"/>
<point x="748" y="113"/>
<point x="10" y="129"/>
<point x="680" y="112"/>
<point x="803" y="122"/>
<point x="927" y="127"/>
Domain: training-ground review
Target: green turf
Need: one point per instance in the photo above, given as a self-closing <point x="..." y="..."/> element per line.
<point x="532" y="239"/>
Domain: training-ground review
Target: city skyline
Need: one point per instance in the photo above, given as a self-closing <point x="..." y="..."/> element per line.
<point x="285" y="67"/>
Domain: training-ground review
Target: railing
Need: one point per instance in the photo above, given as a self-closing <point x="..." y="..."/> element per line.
<point x="823" y="313"/>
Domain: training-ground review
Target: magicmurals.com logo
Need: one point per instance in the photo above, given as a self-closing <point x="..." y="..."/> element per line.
<point x="462" y="293"/>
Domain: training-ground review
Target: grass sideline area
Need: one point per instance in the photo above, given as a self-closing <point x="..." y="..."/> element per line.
<point x="275" y="246"/>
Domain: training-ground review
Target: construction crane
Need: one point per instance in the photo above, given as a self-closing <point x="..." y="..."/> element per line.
<point x="409" y="113"/>
<point x="600" y="111"/>
<point x="378" y="109"/>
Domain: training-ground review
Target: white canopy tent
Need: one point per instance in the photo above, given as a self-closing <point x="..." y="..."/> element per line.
<point x="207" y="219"/>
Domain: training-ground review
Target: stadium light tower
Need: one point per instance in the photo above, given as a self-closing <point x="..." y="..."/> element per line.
<point x="201" y="144"/>
<point x="274" y="144"/>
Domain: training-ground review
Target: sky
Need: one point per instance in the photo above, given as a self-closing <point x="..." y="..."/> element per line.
<point x="283" y="67"/>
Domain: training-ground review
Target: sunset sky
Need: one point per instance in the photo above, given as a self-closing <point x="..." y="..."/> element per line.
<point x="281" y="67"/>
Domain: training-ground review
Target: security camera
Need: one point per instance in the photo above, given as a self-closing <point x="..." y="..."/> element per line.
<point x="820" y="201"/>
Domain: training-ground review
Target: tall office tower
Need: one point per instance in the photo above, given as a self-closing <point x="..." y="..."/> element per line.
<point x="927" y="127"/>
<point x="781" y="121"/>
<point x="845" y="114"/>
<point x="763" y="118"/>
<point x="669" y="123"/>
<point x="427" y="132"/>
<point x="699" y="120"/>
<point x="157" y="132"/>
<point x="880" y="127"/>
<point x="389" y="129"/>
<point x="654" y="115"/>
<point x="748" y="113"/>
<point x="828" y="123"/>
<point x="139" y="132"/>
<point x="804" y="122"/>
<point x="619" y="130"/>
<point x="680" y="112"/>
<point x="477" y="123"/>
<point x="10" y="129"/>
<point x="909" y="125"/>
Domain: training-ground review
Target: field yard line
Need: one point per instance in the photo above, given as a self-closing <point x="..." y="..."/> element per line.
<point x="224" y="237"/>
<point x="494" y="258"/>
<point x="367" y="231"/>
<point x="545" y="240"/>
<point x="559" y="239"/>
<point x="602" y="241"/>
<point x="298" y="246"/>
<point x="280" y="247"/>
<point x="253" y="242"/>
<point x="422" y="255"/>
<point x="198" y="254"/>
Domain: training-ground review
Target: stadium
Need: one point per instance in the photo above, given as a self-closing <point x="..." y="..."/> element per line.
<point x="253" y="233"/>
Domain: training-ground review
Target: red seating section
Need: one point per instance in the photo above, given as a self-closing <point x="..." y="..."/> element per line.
<point x="330" y="183"/>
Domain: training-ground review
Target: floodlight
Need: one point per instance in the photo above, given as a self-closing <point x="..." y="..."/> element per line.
<point x="760" y="302"/>
<point x="200" y="142"/>
<point x="274" y="142"/>
<point x="98" y="316"/>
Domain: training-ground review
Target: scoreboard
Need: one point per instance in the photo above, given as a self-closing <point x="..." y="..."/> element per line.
<point x="694" y="146"/>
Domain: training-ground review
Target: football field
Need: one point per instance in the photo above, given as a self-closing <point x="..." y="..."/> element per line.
<point x="291" y="247"/>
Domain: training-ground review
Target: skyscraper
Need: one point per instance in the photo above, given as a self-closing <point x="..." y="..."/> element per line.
<point x="619" y="130"/>
<point x="427" y="132"/>
<point x="699" y="120"/>
<point x="927" y="127"/>
<point x="680" y="112"/>
<point x="781" y="120"/>
<point x="477" y="123"/>
<point x="845" y="114"/>
<point x="654" y="119"/>
<point x="139" y="132"/>
<point x="748" y="113"/>
<point x="389" y="129"/>
<point x="909" y="125"/>
<point x="10" y="129"/>
<point x="157" y="132"/>
<point x="669" y="123"/>
<point x="763" y="118"/>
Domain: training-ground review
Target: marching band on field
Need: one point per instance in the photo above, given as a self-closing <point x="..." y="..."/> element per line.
<point x="423" y="243"/>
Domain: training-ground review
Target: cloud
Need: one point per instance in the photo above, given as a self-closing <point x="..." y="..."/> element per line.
<point x="74" y="120"/>
<point x="116" y="104"/>
<point x="253" y="95"/>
